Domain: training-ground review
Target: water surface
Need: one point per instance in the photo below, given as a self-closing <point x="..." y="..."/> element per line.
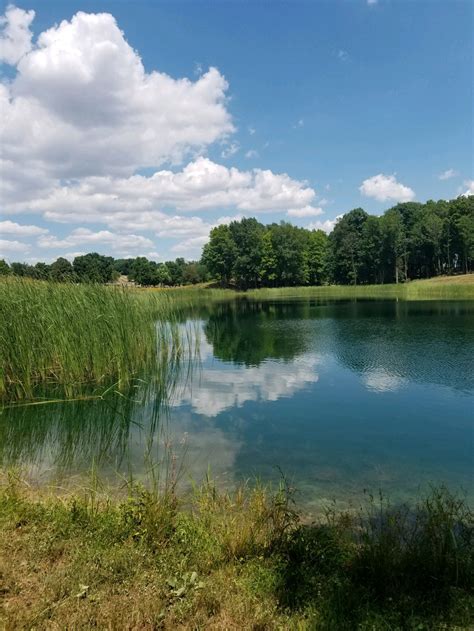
<point x="340" y="396"/>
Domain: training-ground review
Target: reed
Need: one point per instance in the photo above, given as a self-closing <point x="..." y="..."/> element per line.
<point x="81" y="335"/>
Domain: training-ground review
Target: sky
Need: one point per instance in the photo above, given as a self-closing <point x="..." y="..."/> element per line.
<point x="131" y="128"/>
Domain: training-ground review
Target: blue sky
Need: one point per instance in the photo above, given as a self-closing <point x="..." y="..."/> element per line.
<point x="359" y="103"/>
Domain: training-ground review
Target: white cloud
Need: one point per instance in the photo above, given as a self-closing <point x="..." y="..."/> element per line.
<point x="448" y="174"/>
<point x="327" y="226"/>
<point x="306" y="211"/>
<point x="81" y="117"/>
<point x="84" y="83"/>
<point x="385" y="187"/>
<point x="191" y="248"/>
<point x="470" y="188"/>
<point x="372" y="2"/>
<point x="230" y="150"/>
<point x="7" y="247"/>
<point x="10" y="227"/>
<point x="201" y="185"/>
<point x="15" y="34"/>
<point x="299" y="123"/>
<point x="251" y="153"/>
<point x="84" y="236"/>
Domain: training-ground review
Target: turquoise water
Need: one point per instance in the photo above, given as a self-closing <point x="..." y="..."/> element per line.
<point x="340" y="396"/>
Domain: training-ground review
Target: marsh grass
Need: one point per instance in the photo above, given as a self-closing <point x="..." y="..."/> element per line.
<point x="442" y="288"/>
<point x="231" y="560"/>
<point x="76" y="336"/>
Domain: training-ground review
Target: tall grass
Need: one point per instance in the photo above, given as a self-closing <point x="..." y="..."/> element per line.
<point x="431" y="289"/>
<point x="75" y="335"/>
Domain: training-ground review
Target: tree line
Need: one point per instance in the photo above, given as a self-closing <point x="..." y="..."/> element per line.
<point x="96" y="268"/>
<point x="410" y="240"/>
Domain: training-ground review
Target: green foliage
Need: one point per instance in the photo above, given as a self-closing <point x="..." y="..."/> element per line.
<point x="409" y="241"/>
<point x="92" y="268"/>
<point x="246" y="236"/>
<point x="4" y="268"/>
<point x="316" y="257"/>
<point x="220" y="253"/>
<point x="61" y="270"/>
<point x="95" y="268"/>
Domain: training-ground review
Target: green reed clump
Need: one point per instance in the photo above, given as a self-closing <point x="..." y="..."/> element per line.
<point x="60" y="333"/>
<point x="231" y="560"/>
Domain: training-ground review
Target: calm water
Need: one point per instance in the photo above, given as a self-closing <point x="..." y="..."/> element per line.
<point x="340" y="396"/>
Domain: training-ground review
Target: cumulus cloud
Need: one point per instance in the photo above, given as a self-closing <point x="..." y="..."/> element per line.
<point x="470" y="188"/>
<point x="201" y="185"/>
<point x="327" y="226"/>
<point x="7" y="247"/>
<point x="190" y="248"/>
<point x="84" y="236"/>
<point x="448" y="174"/>
<point x="81" y="118"/>
<point x="10" y="227"/>
<point x="305" y="211"/>
<point x="385" y="187"/>
<point x="83" y="83"/>
<point x="15" y="34"/>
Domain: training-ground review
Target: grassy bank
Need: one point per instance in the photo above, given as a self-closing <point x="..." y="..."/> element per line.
<point x="441" y="288"/>
<point x="241" y="561"/>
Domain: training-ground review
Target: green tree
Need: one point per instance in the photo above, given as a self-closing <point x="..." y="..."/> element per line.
<point x="268" y="266"/>
<point x="346" y="242"/>
<point x="143" y="271"/>
<point x="61" y="270"/>
<point x="395" y="244"/>
<point x="4" y="268"/>
<point x="93" y="268"/>
<point x="20" y="269"/>
<point x="42" y="271"/>
<point x="316" y="257"/>
<point x="220" y="253"/>
<point x="247" y="236"/>
<point x="162" y="274"/>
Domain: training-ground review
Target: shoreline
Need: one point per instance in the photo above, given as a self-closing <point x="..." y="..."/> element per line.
<point x="242" y="560"/>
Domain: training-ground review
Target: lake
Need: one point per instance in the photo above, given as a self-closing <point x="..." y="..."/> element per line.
<point x="339" y="396"/>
